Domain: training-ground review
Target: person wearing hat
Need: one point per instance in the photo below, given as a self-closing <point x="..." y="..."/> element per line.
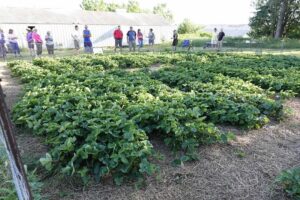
<point x="30" y="41"/>
<point x="49" y="43"/>
<point x="131" y="39"/>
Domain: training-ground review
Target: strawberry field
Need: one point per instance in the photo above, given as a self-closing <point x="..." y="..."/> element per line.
<point x="96" y="116"/>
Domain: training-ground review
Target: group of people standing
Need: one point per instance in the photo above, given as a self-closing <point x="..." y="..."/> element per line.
<point x="217" y="39"/>
<point x="34" y="41"/>
<point x="132" y="37"/>
<point x="12" y="41"/>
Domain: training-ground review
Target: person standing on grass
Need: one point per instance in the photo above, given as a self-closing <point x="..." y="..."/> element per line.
<point x="38" y="42"/>
<point x="49" y="43"/>
<point x="151" y="37"/>
<point x="2" y="45"/>
<point x="76" y="38"/>
<point x="140" y="39"/>
<point x="131" y="39"/>
<point x="88" y="46"/>
<point x="118" y="36"/>
<point x="175" y="40"/>
<point x="221" y="36"/>
<point x="13" y="42"/>
<point x="214" y="38"/>
<point x="30" y="42"/>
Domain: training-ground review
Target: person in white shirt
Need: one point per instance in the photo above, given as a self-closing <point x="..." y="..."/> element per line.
<point x="76" y="37"/>
<point x="13" y="42"/>
<point x="214" y="39"/>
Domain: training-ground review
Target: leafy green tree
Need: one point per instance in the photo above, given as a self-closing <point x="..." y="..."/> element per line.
<point x="162" y="9"/>
<point x="94" y="5"/>
<point x="112" y="7"/>
<point x="188" y="27"/>
<point x="133" y="6"/>
<point x="276" y="18"/>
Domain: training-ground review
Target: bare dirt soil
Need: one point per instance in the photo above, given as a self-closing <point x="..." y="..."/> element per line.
<point x="244" y="169"/>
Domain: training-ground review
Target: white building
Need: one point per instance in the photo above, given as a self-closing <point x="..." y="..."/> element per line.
<point x="61" y="24"/>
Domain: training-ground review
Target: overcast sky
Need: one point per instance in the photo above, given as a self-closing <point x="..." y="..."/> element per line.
<point x="199" y="11"/>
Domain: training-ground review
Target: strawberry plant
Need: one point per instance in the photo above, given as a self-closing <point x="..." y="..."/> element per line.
<point x="96" y="117"/>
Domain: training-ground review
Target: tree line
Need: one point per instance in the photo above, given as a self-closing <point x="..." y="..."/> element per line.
<point x="276" y="19"/>
<point x="132" y="6"/>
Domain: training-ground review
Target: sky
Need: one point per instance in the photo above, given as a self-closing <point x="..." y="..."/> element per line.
<point x="198" y="11"/>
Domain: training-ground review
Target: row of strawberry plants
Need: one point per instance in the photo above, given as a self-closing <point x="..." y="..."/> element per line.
<point x="278" y="73"/>
<point x="233" y="91"/>
<point x="98" y="122"/>
<point x="95" y="122"/>
<point x="111" y="61"/>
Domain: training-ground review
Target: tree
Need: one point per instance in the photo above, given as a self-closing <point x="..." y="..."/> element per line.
<point x="94" y="5"/>
<point x="281" y="19"/>
<point x="133" y="6"/>
<point x="276" y="18"/>
<point x="112" y="7"/>
<point x="188" y="27"/>
<point x="162" y="9"/>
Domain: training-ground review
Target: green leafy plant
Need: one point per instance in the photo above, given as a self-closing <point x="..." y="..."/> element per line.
<point x="96" y="117"/>
<point x="290" y="181"/>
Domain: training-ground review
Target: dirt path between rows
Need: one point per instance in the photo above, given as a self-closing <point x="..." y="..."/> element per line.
<point x="244" y="169"/>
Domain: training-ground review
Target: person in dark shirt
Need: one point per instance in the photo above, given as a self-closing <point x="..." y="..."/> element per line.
<point x="221" y="36"/>
<point x="175" y="40"/>
<point x="131" y="39"/>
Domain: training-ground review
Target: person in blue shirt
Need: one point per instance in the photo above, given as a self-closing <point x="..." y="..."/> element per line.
<point x="131" y="39"/>
<point x="88" y="46"/>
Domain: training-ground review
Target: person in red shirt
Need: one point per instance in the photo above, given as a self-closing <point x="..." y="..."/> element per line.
<point x="118" y="35"/>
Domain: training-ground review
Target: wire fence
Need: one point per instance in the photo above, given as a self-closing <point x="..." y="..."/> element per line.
<point x="9" y="142"/>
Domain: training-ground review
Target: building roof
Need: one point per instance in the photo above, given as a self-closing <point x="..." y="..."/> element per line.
<point x="59" y="16"/>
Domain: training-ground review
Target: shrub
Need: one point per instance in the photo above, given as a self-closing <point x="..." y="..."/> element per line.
<point x="290" y="181"/>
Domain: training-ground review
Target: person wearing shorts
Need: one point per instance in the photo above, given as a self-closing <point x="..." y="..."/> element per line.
<point x="88" y="45"/>
<point x="131" y="39"/>
<point x="118" y="36"/>
<point x="76" y="38"/>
